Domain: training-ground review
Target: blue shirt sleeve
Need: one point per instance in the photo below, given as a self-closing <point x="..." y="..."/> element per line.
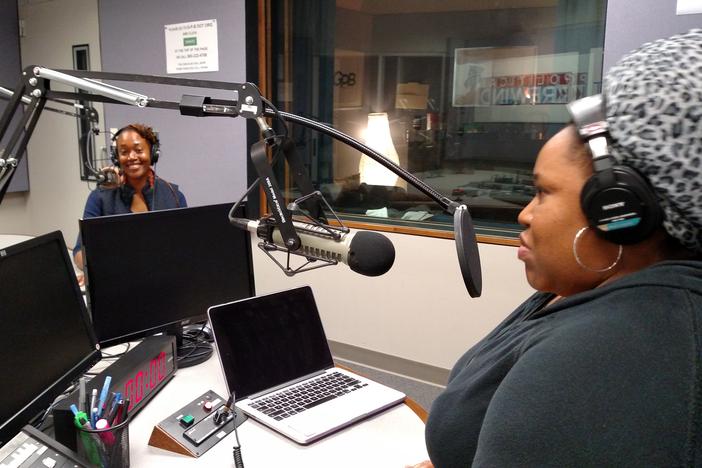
<point x="181" y="200"/>
<point x="93" y="209"/>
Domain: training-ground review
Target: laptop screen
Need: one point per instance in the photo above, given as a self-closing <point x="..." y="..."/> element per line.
<point x="269" y="340"/>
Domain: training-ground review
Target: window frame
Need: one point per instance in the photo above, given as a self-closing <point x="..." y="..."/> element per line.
<point x="505" y="234"/>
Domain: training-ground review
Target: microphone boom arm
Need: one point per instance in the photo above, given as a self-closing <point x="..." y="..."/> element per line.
<point x="446" y="203"/>
<point x="247" y="102"/>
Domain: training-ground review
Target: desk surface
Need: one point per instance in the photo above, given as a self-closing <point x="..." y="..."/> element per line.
<point x="394" y="438"/>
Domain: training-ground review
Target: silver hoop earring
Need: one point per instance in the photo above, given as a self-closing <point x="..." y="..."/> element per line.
<point x="580" y="262"/>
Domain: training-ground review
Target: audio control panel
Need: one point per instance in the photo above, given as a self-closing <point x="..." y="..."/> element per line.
<point x="193" y="429"/>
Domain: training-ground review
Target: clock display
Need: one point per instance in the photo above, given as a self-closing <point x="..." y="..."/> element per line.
<point x="138" y="375"/>
<point x="147" y="379"/>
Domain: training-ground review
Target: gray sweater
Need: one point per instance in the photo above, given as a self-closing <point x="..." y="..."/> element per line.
<point x="607" y="377"/>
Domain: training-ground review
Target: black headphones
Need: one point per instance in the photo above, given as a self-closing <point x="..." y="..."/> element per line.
<point x="155" y="147"/>
<point x="619" y="203"/>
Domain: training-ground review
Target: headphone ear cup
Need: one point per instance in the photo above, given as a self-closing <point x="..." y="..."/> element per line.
<point x="155" y="153"/>
<point x="620" y="205"/>
<point x="113" y="155"/>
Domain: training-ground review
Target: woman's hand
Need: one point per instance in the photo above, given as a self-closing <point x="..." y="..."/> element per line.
<point x="424" y="464"/>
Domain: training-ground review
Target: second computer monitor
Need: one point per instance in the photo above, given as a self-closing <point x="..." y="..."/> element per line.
<point x="148" y="271"/>
<point x="47" y="341"/>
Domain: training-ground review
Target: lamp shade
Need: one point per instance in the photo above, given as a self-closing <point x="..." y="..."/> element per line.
<point x="378" y="138"/>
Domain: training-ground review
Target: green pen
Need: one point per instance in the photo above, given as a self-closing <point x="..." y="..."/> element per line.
<point x="91" y="443"/>
<point x="80" y="419"/>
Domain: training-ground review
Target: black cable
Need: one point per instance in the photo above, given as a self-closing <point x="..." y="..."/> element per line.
<point x="200" y="333"/>
<point x="87" y="163"/>
<point x="277" y="116"/>
<point x="88" y="142"/>
<point x="236" y="451"/>
<point x="42" y="418"/>
<point x="246" y="194"/>
<point x="196" y="335"/>
<point x="196" y="342"/>
<point x="230" y="407"/>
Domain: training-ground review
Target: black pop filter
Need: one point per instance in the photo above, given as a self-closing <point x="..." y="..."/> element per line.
<point x="467" y="249"/>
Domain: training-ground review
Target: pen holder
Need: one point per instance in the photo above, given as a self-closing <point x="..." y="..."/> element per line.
<point x="105" y="448"/>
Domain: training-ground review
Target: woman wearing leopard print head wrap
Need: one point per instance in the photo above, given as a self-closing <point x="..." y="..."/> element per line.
<point x="603" y="365"/>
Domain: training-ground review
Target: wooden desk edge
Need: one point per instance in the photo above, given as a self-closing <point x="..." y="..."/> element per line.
<point x="417" y="408"/>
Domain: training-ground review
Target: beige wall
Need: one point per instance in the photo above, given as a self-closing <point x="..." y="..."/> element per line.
<point x="57" y="196"/>
<point x="419" y="310"/>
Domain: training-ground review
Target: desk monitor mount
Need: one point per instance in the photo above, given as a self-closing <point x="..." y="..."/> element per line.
<point x="248" y="103"/>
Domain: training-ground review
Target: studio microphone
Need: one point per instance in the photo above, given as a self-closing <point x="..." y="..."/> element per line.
<point x="366" y="252"/>
<point x="108" y="178"/>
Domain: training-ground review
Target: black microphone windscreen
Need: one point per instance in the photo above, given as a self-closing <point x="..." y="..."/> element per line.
<point x="370" y="253"/>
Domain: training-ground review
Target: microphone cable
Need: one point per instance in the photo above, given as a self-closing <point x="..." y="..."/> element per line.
<point x="219" y="416"/>
<point x="87" y="141"/>
<point x="236" y="449"/>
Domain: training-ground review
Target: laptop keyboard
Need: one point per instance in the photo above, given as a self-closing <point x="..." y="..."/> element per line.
<point x="307" y="395"/>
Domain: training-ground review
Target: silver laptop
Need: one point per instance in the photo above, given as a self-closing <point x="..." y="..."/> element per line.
<point x="276" y="358"/>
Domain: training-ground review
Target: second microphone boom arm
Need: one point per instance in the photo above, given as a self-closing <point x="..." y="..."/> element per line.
<point x="247" y="102"/>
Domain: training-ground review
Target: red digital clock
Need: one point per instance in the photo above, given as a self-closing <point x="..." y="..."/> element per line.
<point x="138" y="375"/>
<point x="147" y="380"/>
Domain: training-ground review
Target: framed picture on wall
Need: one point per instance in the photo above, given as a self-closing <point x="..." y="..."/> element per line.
<point x="348" y="79"/>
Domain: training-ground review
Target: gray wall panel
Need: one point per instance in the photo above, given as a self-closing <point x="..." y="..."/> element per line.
<point x="9" y="75"/>
<point x="631" y="23"/>
<point x="206" y="157"/>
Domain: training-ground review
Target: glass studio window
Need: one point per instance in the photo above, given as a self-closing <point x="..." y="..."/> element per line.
<point x="463" y="94"/>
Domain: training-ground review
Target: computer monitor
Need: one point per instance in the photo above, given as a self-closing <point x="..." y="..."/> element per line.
<point x="47" y="340"/>
<point x="152" y="272"/>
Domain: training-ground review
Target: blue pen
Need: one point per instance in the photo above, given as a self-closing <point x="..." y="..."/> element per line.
<point x="103" y="395"/>
<point x="74" y="409"/>
<point x="93" y="417"/>
<point x="113" y="406"/>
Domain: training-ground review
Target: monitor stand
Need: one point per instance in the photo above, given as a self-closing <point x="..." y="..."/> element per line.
<point x="193" y="346"/>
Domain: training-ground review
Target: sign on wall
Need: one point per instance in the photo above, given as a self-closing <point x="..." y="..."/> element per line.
<point x="689" y="7"/>
<point x="515" y="84"/>
<point x="192" y="47"/>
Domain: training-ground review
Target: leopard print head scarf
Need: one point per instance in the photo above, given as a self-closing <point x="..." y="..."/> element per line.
<point x="654" y="110"/>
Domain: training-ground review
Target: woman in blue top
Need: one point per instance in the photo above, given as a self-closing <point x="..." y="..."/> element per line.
<point x="603" y="365"/>
<point x="135" y="151"/>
